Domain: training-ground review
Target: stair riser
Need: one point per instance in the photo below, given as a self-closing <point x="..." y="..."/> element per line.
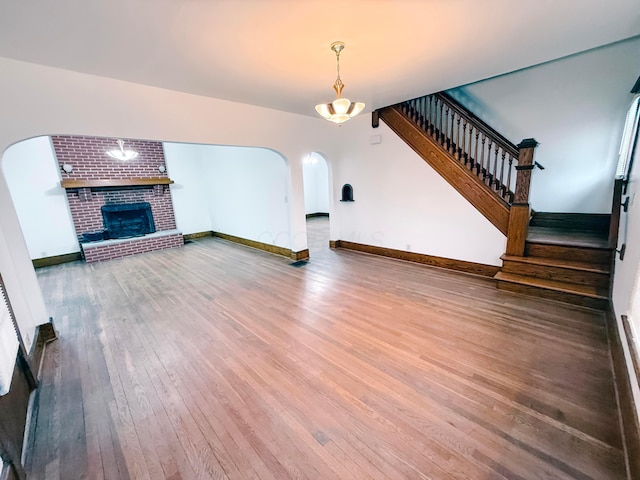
<point x="572" y="221"/>
<point x="557" y="273"/>
<point x="599" y="304"/>
<point x="580" y="254"/>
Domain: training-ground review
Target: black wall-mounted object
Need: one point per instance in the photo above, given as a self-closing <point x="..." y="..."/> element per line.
<point x="347" y="193"/>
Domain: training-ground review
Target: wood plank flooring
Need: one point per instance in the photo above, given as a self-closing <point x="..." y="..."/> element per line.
<point x="217" y="361"/>
<point x="317" y="234"/>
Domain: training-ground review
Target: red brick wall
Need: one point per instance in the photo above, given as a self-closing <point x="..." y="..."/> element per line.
<point x="90" y="161"/>
<point x="88" y="157"/>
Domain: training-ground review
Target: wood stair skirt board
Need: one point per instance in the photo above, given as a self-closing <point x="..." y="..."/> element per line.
<point x="457" y="175"/>
<point x="573" y="293"/>
<point x="285" y="252"/>
<point x="441" y="262"/>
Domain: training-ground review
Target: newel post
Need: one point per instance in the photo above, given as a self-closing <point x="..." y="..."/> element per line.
<point x="520" y="211"/>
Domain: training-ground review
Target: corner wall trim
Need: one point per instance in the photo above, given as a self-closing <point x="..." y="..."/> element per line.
<point x="448" y="263"/>
<point x="56" y="260"/>
<point x="629" y="424"/>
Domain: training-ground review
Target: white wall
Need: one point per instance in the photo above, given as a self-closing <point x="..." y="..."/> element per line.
<point x="575" y="108"/>
<point x="188" y="192"/>
<point x="31" y="171"/>
<point x="248" y="193"/>
<point x="235" y="190"/>
<point x="402" y="203"/>
<point x="315" y="172"/>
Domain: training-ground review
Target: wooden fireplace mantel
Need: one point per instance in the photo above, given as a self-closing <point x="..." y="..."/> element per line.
<point x="115" y="182"/>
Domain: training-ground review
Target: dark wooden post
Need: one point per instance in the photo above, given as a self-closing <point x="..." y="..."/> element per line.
<point x="375" y="119"/>
<point x="616" y="206"/>
<point x="520" y="210"/>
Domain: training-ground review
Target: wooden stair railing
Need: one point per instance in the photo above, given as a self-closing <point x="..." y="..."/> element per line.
<point x="617" y="205"/>
<point x="467" y="138"/>
<point x="473" y="157"/>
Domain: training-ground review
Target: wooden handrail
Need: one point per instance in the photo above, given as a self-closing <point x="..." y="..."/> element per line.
<point x="614" y="222"/>
<point x="487" y="153"/>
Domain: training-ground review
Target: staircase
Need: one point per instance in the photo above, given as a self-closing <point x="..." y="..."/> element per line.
<point x="565" y="257"/>
<point x="475" y="159"/>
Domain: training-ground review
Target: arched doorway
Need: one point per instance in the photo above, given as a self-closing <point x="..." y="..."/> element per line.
<point x="315" y="172"/>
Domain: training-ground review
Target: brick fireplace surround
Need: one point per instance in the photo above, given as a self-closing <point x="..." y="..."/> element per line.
<point x="91" y="164"/>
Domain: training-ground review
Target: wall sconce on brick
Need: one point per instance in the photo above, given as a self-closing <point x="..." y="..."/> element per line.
<point x="67" y="167"/>
<point x="162" y="169"/>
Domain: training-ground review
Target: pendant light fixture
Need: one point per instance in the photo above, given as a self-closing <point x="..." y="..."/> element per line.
<point x="122" y="154"/>
<point x="341" y="109"/>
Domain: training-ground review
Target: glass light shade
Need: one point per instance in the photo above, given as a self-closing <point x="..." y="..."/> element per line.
<point x="340" y="110"/>
<point x="122" y="154"/>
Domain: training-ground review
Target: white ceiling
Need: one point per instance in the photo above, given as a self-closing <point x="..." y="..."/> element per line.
<point x="275" y="53"/>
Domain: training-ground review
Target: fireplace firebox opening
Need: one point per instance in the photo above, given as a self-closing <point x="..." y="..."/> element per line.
<point x="128" y="220"/>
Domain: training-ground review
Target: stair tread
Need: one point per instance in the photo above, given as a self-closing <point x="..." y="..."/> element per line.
<point x="555" y="285"/>
<point x="573" y="238"/>
<point x="561" y="263"/>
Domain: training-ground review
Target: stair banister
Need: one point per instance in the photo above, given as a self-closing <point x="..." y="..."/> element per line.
<point x="477" y="122"/>
<point x="614" y="223"/>
<point x="520" y="211"/>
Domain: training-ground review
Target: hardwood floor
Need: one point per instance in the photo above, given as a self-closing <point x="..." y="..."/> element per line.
<point x="317" y="234"/>
<point x="217" y="361"/>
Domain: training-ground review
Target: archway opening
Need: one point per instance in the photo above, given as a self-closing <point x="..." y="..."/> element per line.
<point x="315" y="172"/>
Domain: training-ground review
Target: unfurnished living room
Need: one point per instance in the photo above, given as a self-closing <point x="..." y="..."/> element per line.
<point x="268" y="239"/>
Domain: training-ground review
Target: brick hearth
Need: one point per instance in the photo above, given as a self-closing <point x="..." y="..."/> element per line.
<point x="125" y="247"/>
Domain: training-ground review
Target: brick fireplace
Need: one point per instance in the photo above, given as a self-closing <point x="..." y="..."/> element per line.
<point x="92" y="180"/>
